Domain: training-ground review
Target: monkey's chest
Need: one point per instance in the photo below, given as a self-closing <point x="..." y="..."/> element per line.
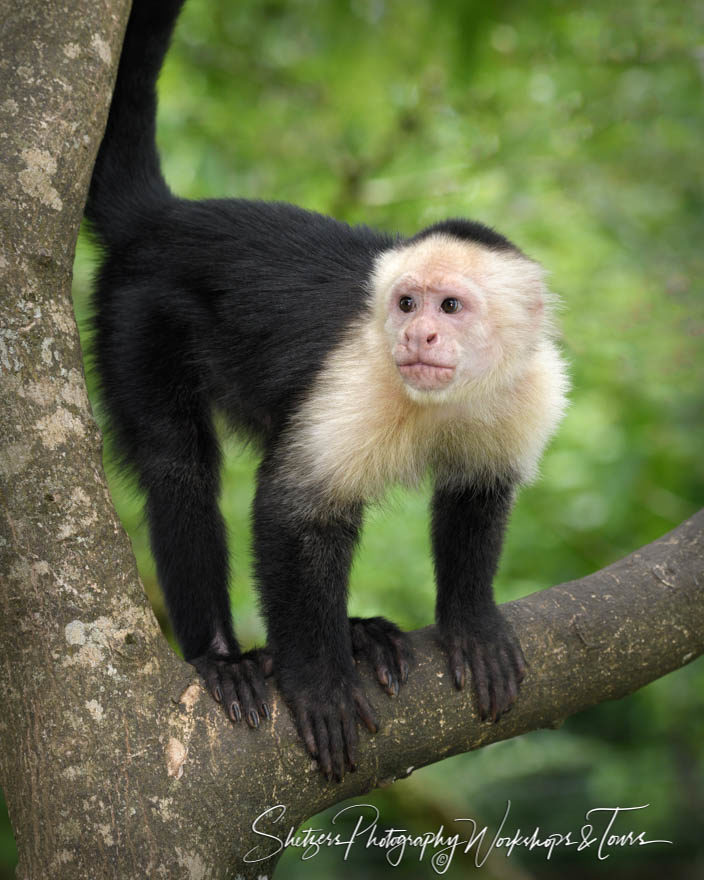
<point x="351" y="455"/>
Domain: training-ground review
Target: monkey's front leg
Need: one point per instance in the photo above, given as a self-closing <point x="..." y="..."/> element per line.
<point x="302" y="567"/>
<point x="468" y="528"/>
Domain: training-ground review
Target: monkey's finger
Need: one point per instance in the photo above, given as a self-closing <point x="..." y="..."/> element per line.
<point x="305" y="728"/>
<point x="497" y="699"/>
<point x="519" y="661"/>
<point x="515" y="653"/>
<point x="210" y="675"/>
<point x="368" y="644"/>
<point x="256" y="683"/>
<point x="337" y="748"/>
<point x="322" y="739"/>
<point x="392" y="668"/>
<point x="349" y="730"/>
<point x="365" y="712"/>
<point x="214" y="684"/>
<point x="403" y="654"/>
<point x="510" y="677"/>
<point x="405" y="667"/>
<point x="245" y="696"/>
<point x="511" y="693"/>
<point x="387" y="679"/>
<point x="480" y="681"/>
<point x="384" y="664"/>
<point x="383" y="648"/>
<point x="457" y="666"/>
<point x="230" y="698"/>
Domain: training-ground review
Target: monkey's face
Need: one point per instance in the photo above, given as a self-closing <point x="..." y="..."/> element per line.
<point x="438" y="326"/>
<point x="456" y="312"/>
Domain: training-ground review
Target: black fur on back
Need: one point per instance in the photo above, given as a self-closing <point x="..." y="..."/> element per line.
<point x="186" y="284"/>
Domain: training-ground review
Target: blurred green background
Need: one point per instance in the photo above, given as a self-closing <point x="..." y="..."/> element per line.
<point x="577" y="130"/>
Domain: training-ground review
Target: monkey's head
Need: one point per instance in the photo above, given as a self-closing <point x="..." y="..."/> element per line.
<point x="458" y="310"/>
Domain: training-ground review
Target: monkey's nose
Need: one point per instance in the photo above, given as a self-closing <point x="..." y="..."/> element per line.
<point x="421" y="335"/>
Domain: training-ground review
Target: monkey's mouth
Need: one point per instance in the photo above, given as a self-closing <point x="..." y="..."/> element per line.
<point x="425" y="376"/>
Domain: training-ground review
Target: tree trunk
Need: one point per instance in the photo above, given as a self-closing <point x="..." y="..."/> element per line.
<point x="114" y="760"/>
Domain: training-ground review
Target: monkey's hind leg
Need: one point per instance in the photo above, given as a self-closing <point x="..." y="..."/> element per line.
<point x="177" y="458"/>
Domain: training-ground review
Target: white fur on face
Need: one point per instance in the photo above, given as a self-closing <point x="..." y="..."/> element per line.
<point x="367" y="423"/>
<point x="434" y="348"/>
<point x="503" y="294"/>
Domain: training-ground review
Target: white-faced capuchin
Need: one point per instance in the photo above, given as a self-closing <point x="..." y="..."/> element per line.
<point x="354" y="359"/>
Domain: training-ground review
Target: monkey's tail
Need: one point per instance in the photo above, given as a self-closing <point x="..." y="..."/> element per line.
<point x="127" y="182"/>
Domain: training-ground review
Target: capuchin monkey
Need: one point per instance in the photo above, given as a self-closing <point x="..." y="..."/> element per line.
<point x="355" y="360"/>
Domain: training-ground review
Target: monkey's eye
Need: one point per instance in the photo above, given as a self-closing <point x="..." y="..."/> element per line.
<point x="451" y="305"/>
<point x="406" y="304"/>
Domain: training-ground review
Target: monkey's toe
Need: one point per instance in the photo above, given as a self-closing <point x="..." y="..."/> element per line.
<point x="493" y="654"/>
<point x="326" y="718"/>
<point x="238" y="683"/>
<point x="385" y="647"/>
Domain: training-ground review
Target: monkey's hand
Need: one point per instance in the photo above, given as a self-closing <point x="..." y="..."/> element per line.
<point x="385" y="647"/>
<point x="237" y="681"/>
<point x="326" y="711"/>
<point x="491" y="650"/>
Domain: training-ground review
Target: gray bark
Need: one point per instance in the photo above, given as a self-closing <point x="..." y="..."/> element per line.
<point x="114" y="760"/>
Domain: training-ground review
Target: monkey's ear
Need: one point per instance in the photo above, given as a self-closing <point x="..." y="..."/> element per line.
<point x="536" y="305"/>
<point x="536" y="298"/>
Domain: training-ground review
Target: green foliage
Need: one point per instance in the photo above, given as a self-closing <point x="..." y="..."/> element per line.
<point x="576" y="129"/>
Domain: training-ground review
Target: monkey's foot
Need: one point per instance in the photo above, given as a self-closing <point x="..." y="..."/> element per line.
<point x="326" y="716"/>
<point x="237" y="681"/>
<point x="385" y="646"/>
<point x="491" y="650"/>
